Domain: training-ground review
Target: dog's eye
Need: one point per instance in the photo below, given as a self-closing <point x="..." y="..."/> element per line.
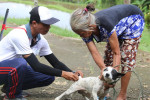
<point x="105" y="69"/>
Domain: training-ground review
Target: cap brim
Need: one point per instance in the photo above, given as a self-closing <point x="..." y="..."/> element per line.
<point x="50" y="21"/>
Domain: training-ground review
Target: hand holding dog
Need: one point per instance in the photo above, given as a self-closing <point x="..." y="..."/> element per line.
<point x="79" y="73"/>
<point x="70" y="76"/>
<point x="107" y="86"/>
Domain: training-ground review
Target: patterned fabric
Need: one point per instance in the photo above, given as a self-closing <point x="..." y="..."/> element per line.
<point x="18" y="76"/>
<point x="127" y="28"/>
<point x="128" y="49"/>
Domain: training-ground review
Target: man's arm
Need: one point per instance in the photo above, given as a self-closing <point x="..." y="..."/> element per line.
<point x="39" y="67"/>
<point x="42" y="68"/>
<point x="51" y="58"/>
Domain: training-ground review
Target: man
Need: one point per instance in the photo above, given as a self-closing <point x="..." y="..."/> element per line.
<point x="20" y="46"/>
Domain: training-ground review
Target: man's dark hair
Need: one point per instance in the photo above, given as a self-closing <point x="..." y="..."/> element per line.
<point x="34" y="16"/>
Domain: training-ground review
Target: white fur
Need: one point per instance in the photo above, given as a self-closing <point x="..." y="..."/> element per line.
<point x="90" y="86"/>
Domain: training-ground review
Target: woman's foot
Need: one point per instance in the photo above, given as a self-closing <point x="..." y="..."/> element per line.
<point x="122" y="97"/>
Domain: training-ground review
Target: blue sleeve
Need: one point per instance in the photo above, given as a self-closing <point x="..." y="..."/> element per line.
<point x="88" y="39"/>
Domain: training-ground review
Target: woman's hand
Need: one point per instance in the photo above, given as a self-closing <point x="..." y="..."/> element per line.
<point x="101" y="74"/>
<point x="107" y="86"/>
<point x="70" y="76"/>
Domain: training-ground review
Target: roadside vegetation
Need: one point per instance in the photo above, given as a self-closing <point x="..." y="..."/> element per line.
<point x="54" y="29"/>
<point x="70" y="5"/>
<point x="52" y="4"/>
<point x="145" y="40"/>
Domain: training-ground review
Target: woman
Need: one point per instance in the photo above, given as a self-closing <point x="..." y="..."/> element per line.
<point x="121" y="27"/>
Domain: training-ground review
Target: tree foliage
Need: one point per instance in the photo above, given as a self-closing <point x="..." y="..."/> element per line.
<point x="142" y="4"/>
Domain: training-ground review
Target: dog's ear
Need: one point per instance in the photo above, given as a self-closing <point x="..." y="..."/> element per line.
<point x="119" y="75"/>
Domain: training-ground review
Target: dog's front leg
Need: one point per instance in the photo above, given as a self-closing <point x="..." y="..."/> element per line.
<point x="94" y="94"/>
<point x="95" y="91"/>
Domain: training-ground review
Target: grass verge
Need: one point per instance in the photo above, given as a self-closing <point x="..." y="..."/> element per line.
<point x="54" y="29"/>
<point x="145" y="40"/>
<point x="62" y="6"/>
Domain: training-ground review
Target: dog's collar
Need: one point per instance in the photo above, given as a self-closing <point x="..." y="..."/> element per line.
<point x="112" y="83"/>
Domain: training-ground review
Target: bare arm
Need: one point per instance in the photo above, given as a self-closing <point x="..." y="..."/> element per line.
<point x="113" y="41"/>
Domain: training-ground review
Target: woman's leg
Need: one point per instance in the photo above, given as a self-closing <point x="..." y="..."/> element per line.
<point x="128" y="58"/>
<point x="124" y="85"/>
<point x="128" y="50"/>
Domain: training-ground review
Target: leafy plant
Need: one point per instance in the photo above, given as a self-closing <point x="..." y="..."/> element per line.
<point x="142" y="4"/>
<point x="147" y="19"/>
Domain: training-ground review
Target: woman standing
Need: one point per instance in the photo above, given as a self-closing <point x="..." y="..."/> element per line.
<point x="121" y="27"/>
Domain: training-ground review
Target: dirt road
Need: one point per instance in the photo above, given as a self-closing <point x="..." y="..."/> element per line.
<point x="74" y="53"/>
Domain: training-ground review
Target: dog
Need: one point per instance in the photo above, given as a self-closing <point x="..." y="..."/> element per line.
<point x="93" y="86"/>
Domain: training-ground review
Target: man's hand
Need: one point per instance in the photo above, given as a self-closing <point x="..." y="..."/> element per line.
<point x="70" y="76"/>
<point x="78" y="72"/>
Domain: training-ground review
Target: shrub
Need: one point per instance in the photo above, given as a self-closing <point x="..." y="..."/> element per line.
<point x="147" y="19"/>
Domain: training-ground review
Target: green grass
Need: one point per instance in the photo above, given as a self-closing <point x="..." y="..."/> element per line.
<point x="62" y="6"/>
<point x="145" y="40"/>
<point x="5" y="32"/>
<point x="19" y="21"/>
<point x="13" y="22"/>
<point x="54" y="29"/>
<point x="63" y="32"/>
<point x="20" y="1"/>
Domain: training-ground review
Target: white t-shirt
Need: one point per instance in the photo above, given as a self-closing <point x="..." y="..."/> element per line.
<point x="17" y="43"/>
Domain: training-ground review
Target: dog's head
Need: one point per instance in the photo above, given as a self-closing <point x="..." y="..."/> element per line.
<point x="111" y="75"/>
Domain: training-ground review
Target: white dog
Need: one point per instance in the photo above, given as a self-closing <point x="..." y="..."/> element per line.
<point x="93" y="86"/>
